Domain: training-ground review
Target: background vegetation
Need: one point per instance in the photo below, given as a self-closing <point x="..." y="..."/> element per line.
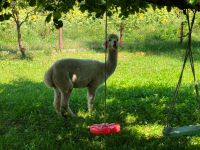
<point x="138" y="92"/>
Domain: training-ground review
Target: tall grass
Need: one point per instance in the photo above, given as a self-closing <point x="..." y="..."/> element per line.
<point x="142" y="31"/>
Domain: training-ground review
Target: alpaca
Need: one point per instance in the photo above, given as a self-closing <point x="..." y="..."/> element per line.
<point x="66" y="74"/>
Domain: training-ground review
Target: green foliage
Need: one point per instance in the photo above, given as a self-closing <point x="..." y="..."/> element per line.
<point x="128" y="7"/>
<point x="6" y="5"/>
<point x="48" y="18"/>
<point x="194" y="2"/>
<point x="99" y="7"/>
<point x="9" y="7"/>
<point x="56" y="15"/>
<point x="56" y="8"/>
<point x="58" y="23"/>
<point x="32" y="3"/>
<point x="3" y="14"/>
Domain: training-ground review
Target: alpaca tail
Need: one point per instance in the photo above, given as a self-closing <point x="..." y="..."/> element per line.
<point x="48" y="78"/>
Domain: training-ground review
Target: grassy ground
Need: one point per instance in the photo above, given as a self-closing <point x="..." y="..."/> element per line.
<point x="138" y="92"/>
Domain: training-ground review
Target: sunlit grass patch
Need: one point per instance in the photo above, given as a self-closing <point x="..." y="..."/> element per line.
<point x="147" y="131"/>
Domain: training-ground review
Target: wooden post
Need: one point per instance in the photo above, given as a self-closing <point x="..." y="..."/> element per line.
<point x="60" y="38"/>
<point x="121" y="34"/>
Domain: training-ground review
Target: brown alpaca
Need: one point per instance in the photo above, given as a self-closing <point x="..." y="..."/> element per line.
<point x="66" y="74"/>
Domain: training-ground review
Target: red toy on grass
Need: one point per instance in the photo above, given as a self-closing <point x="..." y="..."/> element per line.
<point x="105" y="128"/>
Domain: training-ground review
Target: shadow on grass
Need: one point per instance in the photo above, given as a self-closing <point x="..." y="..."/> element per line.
<point x="13" y="55"/>
<point x="29" y="121"/>
<point x="151" y="44"/>
<point x="8" y="51"/>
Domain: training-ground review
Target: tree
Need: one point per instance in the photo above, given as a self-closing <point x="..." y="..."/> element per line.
<point x="13" y="9"/>
<point x="16" y="8"/>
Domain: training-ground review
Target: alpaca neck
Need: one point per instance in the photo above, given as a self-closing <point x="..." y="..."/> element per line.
<point x="111" y="62"/>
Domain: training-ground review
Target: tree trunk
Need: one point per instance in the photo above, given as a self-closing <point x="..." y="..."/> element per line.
<point x="19" y="37"/>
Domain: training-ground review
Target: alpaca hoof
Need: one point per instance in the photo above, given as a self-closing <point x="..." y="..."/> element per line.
<point x="73" y="115"/>
<point x="66" y="114"/>
<point x="57" y="111"/>
<point x="70" y="112"/>
<point x="90" y="109"/>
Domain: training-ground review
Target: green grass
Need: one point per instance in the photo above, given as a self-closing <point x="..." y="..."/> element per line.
<point x="138" y="93"/>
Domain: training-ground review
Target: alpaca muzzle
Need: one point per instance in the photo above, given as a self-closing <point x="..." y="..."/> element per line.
<point x="115" y="44"/>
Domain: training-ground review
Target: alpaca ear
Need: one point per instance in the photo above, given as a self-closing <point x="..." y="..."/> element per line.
<point x="106" y="44"/>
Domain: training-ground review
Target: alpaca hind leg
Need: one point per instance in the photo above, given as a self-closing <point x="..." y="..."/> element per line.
<point x="91" y="98"/>
<point x="63" y="82"/>
<point x="65" y="109"/>
<point x="57" y="98"/>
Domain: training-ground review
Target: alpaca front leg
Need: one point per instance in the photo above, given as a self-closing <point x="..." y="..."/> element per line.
<point x="91" y="98"/>
<point x="65" y="109"/>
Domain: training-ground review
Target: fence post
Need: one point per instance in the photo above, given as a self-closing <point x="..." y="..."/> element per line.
<point x="121" y="33"/>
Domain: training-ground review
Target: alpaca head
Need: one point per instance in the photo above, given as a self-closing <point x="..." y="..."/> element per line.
<point x="112" y="42"/>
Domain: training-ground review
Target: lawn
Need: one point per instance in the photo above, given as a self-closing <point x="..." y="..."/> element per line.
<point x="138" y="93"/>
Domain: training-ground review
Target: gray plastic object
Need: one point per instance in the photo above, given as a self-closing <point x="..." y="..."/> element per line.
<point x="190" y="130"/>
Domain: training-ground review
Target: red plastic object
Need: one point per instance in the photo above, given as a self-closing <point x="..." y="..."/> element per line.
<point x="105" y="128"/>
